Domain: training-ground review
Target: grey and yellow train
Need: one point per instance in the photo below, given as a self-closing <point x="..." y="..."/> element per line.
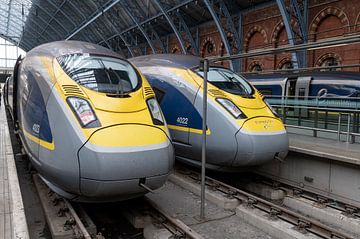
<point x="242" y="129"/>
<point x="89" y="122"/>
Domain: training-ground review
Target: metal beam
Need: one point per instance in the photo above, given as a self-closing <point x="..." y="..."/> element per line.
<point x="109" y="23"/>
<point x="154" y="36"/>
<point x="290" y="33"/>
<point x="106" y="7"/>
<point x="189" y="36"/>
<point x="44" y="22"/>
<point x="172" y="25"/>
<point x="93" y="29"/>
<point x="220" y="29"/>
<point x="8" y="20"/>
<point x="131" y="14"/>
<point x="148" y="20"/>
<point x="53" y="16"/>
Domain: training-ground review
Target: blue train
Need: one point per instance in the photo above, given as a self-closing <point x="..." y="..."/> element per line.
<point x="321" y="85"/>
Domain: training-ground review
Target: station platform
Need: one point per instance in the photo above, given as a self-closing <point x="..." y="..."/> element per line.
<point x="325" y="148"/>
<point x="12" y="215"/>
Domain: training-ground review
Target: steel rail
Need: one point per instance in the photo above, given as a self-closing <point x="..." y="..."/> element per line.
<point x="344" y="207"/>
<point x="179" y="226"/>
<point x="80" y="226"/>
<point x="303" y="223"/>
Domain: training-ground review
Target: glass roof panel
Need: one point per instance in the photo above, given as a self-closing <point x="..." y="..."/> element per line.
<point x="13" y="15"/>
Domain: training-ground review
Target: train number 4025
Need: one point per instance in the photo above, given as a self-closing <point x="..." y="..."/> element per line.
<point x="182" y="120"/>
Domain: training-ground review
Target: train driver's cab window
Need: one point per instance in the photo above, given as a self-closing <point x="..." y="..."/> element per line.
<point x="228" y="81"/>
<point x="103" y="74"/>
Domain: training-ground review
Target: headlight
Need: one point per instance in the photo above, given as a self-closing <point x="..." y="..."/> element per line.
<point x="272" y="109"/>
<point x="155" y="111"/>
<point x="83" y="111"/>
<point x="232" y="108"/>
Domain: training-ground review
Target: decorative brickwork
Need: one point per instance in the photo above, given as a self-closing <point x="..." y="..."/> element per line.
<point x="251" y="33"/>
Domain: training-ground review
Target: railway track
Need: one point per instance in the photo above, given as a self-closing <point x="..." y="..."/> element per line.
<point x="320" y="199"/>
<point x="67" y="220"/>
<point x="274" y="211"/>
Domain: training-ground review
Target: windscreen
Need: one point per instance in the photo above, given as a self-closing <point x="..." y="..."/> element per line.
<point x="228" y="81"/>
<point x="100" y="73"/>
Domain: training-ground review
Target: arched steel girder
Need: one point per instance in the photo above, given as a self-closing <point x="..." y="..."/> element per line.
<point x="132" y="14"/>
<point x="185" y="2"/>
<point x="68" y="18"/>
<point x="104" y="8"/>
<point x="45" y="22"/>
<point x="301" y="18"/>
<point x="20" y="30"/>
<point x="183" y="27"/>
<point x="298" y="58"/>
<point x="8" y="19"/>
<point x="109" y="23"/>
<point x="222" y="11"/>
<point x="53" y="16"/>
<point x="173" y="27"/>
<point x="148" y="27"/>
<point x="84" y="17"/>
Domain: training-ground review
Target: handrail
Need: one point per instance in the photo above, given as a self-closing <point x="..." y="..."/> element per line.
<point x="301" y="112"/>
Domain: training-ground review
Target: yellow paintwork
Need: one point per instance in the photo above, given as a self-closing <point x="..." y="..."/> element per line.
<point x="109" y="111"/>
<point x="263" y="124"/>
<point x="252" y="108"/>
<point x="187" y="129"/>
<point x="47" y="145"/>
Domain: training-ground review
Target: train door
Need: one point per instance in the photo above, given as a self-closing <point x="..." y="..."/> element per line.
<point x="289" y="97"/>
<point x="290" y="88"/>
<point x="15" y="86"/>
<point x="302" y="93"/>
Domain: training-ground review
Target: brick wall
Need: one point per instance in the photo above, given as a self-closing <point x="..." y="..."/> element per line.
<point x="264" y="28"/>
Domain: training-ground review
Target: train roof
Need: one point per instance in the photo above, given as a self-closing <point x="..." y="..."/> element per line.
<point x="328" y="75"/>
<point x="167" y="60"/>
<point x="60" y="48"/>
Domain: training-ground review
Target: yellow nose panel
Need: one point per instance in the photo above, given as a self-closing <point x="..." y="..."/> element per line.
<point x="263" y="124"/>
<point x="128" y="135"/>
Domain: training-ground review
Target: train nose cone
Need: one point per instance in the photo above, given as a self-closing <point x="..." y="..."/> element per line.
<point x="115" y="172"/>
<point x="261" y="140"/>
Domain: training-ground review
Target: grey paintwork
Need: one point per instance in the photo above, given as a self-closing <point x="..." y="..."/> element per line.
<point x="74" y="169"/>
<point x="228" y="148"/>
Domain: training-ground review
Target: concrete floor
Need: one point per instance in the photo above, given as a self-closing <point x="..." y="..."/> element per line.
<point x="219" y="223"/>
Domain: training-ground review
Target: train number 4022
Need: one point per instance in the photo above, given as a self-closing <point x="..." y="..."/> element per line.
<point x="182" y="120"/>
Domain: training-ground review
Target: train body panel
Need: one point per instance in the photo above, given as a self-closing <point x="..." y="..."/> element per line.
<point x="89" y="138"/>
<point x="318" y="84"/>
<point x="177" y="83"/>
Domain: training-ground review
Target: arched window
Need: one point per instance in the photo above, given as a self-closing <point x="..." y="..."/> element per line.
<point x="255" y="68"/>
<point x="209" y="47"/>
<point x="286" y="65"/>
<point x="175" y="50"/>
<point x="330" y="61"/>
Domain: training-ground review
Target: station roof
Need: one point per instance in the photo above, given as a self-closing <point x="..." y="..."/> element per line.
<point x="29" y="23"/>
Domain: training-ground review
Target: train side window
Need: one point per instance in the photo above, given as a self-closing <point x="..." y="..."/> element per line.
<point x="159" y="94"/>
<point x="291" y="87"/>
<point x="302" y="92"/>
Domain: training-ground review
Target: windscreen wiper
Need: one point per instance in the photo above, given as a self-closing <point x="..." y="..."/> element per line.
<point x="119" y="82"/>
